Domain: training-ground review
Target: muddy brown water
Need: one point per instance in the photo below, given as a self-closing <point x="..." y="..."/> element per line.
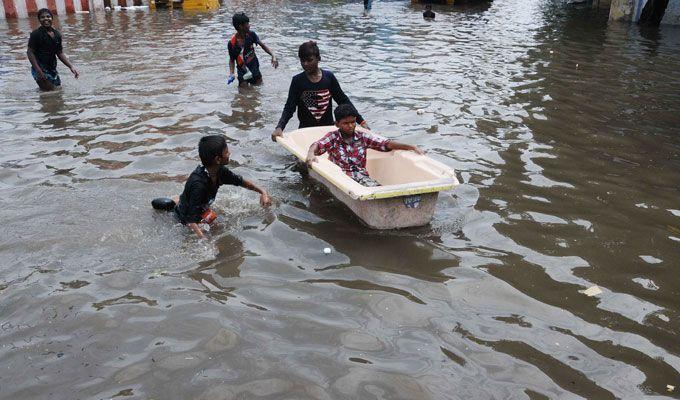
<point x="563" y="130"/>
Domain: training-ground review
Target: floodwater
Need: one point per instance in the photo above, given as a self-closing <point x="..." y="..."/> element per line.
<point x="563" y="130"/>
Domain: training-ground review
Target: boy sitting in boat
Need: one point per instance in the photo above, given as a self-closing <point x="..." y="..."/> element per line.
<point x="347" y="147"/>
<point x="192" y="207"/>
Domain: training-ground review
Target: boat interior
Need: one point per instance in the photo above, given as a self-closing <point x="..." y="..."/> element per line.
<point x="399" y="172"/>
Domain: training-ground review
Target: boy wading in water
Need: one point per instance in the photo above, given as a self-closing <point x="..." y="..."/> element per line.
<point x="44" y="46"/>
<point x="193" y="205"/>
<point x="311" y="93"/>
<point x="242" y="55"/>
<point x="428" y="14"/>
<point x="347" y="147"/>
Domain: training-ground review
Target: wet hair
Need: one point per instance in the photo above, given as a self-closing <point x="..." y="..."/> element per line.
<point x="210" y="147"/>
<point x="309" y="49"/>
<point x="239" y="19"/>
<point x="428" y="6"/>
<point x="44" y="11"/>
<point x="344" y="111"/>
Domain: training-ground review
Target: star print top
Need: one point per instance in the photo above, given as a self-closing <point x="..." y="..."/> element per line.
<point x="350" y="156"/>
<point x="313" y="100"/>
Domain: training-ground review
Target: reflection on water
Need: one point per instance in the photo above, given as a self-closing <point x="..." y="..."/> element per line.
<point x="561" y="127"/>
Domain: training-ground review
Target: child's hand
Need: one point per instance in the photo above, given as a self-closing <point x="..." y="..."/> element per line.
<point x="265" y="200"/>
<point x="364" y="125"/>
<point x="275" y="62"/>
<point x="277" y="132"/>
<point x="417" y="150"/>
<point x="75" y="72"/>
<point x="197" y="230"/>
<point x="311" y="160"/>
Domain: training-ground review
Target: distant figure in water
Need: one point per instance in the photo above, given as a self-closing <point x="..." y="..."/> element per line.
<point x="368" y="4"/>
<point x="44" y="46"/>
<point x="428" y="14"/>
<point x="242" y="55"/>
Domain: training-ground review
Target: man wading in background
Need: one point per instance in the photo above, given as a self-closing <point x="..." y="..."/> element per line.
<point x="368" y="4"/>
<point x="44" y="46"/>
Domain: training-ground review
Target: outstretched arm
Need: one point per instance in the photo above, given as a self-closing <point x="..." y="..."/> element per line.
<point x="311" y="154"/>
<point x="264" y="197"/>
<point x="288" y="110"/>
<point x="66" y="62"/>
<point x="392" y="145"/>
<point x="275" y="62"/>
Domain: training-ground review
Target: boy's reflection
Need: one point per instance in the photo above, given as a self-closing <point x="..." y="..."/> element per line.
<point x="403" y="252"/>
<point x="246" y="110"/>
<point x="52" y="105"/>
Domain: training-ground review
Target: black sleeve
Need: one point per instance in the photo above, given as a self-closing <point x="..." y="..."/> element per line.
<point x="34" y="41"/>
<point x="339" y="96"/>
<point x="60" y="48"/>
<point x="227" y="177"/>
<point x="197" y="201"/>
<point x="291" y="103"/>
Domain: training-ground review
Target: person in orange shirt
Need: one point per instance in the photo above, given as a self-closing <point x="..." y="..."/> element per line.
<point x="242" y="57"/>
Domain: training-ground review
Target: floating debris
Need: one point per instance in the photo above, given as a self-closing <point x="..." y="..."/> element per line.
<point x="592" y="291"/>
<point x="646" y="283"/>
<point x="650" y="259"/>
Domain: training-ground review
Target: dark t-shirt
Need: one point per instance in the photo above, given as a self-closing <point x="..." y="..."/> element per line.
<point x="199" y="192"/>
<point x="429" y="14"/>
<point x="247" y="51"/>
<point x="45" y="47"/>
<point x="313" y="100"/>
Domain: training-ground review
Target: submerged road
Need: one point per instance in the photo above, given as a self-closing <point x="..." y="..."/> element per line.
<point x="563" y="130"/>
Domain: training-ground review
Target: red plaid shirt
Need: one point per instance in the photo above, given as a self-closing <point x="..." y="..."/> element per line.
<point x="351" y="157"/>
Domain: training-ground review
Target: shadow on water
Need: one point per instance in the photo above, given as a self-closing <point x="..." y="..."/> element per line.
<point x="656" y="36"/>
<point x="226" y="264"/>
<point x="246" y="112"/>
<point x="230" y="256"/>
<point x="52" y="105"/>
<point x="407" y="252"/>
